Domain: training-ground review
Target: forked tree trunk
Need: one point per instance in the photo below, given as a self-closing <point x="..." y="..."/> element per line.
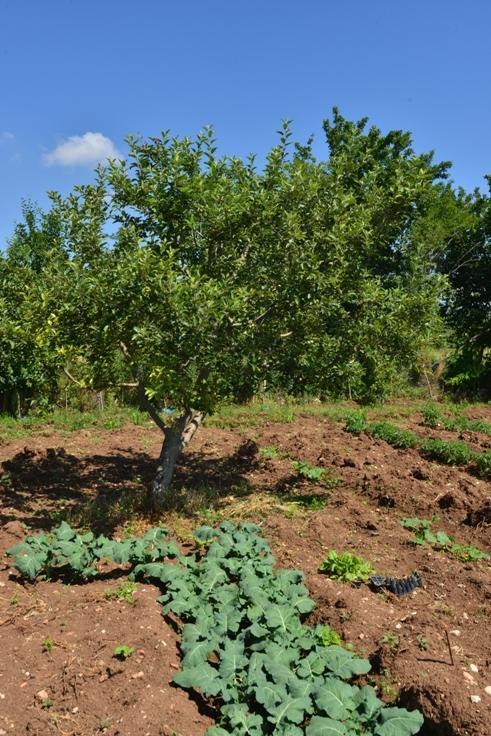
<point x="176" y="438"/>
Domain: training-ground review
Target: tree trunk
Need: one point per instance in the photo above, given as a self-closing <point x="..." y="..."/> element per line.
<point x="176" y="438"/>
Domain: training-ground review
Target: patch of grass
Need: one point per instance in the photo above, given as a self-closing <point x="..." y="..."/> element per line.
<point x="124" y="592"/>
<point x="346" y="566"/>
<point x="312" y="502"/>
<point x="72" y="420"/>
<point x="422" y="643"/>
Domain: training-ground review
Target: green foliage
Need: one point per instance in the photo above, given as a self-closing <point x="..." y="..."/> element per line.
<point x="199" y="277"/>
<point x="450" y="453"/>
<point x="392" y="435"/>
<point x="269" y="453"/>
<point x="244" y="643"/>
<point x="483" y="462"/>
<point x="356" y="423"/>
<point x="390" y="640"/>
<point x="307" y="471"/>
<point x="48" y="645"/>
<point x="466" y="261"/>
<point x="75" y="556"/>
<point x="346" y="566"/>
<point x="395" y="436"/>
<point x="432" y="417"/>
<point x="423" y="534"/>
<point x="327" y="636"/>
<point x="123" y="592"/>
<point x="123" y="651"/>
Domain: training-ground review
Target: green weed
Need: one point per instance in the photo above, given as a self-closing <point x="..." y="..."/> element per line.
<point x="48" y="645"/>
<point x="307" y="471"/>
<point x="390" y="640"/>
<point x="269" y="453"/>
<point x="423" y="534"/>
<point x="123" y="592"/>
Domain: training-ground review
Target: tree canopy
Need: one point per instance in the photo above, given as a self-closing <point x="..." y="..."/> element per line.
<point x="197" y="278"/>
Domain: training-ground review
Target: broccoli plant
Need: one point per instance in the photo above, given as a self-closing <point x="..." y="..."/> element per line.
<point x="244" y="643"/>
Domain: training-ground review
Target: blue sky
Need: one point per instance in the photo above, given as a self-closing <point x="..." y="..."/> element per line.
<point x="69" y="68"/>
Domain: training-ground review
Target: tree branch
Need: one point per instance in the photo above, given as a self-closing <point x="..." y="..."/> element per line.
<point x="72" y="379"/>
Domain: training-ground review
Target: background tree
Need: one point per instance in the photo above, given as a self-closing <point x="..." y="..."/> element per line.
<point x="29" y="367"/>
<point x="466" y="261"/>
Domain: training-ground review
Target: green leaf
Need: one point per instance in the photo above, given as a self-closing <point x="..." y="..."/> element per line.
<point x="240" y="717"/>
<point x="291" y="710"/>
<point x="203" y="677"/>
<point x="279" y="617"/>
<point x="367" y="702"/>
<point x="398" y="722"/>
<point x="344" y="664"/>
<point x="319" y="726"/>
<point x="335" y="698"/>
<point x="29" y="565"/>
<point x="64" y="532"/>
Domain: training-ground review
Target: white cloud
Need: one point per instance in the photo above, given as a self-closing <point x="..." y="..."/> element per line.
<point x="6" y="136"/>
<point x="82" y="150"/>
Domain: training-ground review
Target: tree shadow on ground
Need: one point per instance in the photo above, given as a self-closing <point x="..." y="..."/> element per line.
<point x="101" y="492"/>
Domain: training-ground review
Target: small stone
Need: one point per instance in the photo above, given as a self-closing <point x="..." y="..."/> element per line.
<point x="473" y="668"/>
<point x="75" y="710"/>
<point x="138" y="676"/>
<point x="42" y="695"/>
<point x="475" y="698"/>
<point x="487" y="689"/>
<point x="361" y="636"/>
<point x="469" y="678"/>
<point x="2" y="732"/>
<point x="465" y="616"/>
<point x="455" y="632"/>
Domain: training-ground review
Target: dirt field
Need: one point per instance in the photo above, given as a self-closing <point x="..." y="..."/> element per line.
<point x="431" y="649"/>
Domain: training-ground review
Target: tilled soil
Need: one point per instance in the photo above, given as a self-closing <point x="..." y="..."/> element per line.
<point x="431" y="649"/>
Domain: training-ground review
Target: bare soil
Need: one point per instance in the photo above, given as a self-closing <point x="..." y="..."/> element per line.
<point x="424" y="648"/>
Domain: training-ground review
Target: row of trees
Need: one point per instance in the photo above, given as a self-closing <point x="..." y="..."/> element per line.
<point x="195" y="278"/>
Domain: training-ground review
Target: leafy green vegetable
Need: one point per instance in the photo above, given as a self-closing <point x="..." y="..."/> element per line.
<point x="346" y="566"/>
<point x="243" y="639"/>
